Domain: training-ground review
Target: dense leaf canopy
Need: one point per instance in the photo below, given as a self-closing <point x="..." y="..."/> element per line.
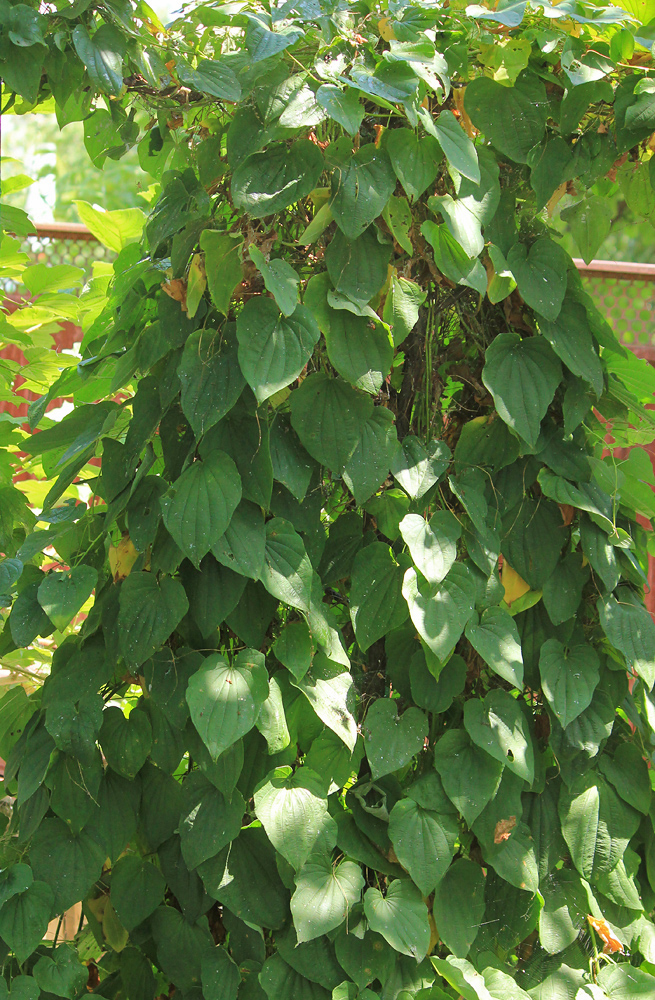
<point x="351" y="683"/>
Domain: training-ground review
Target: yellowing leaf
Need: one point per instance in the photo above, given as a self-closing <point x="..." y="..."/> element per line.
<point x="386" y="29"/>
<point x="514" y="585"/>
<point x="196" y="284"/>
<point x="122" y="558"/>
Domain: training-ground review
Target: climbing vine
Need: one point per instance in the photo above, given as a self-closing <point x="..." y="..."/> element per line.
<point x="350" y="679"/>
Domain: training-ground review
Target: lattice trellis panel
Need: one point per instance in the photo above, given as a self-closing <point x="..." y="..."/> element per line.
<point x="628" y="305"/>
<point x="61" y="248"/>
<point x="80" y="252"/>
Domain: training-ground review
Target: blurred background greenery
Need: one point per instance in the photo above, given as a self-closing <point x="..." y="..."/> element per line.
<point x="59" y="163"/>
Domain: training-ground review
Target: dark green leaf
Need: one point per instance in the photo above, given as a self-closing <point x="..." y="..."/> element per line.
<point x="590" y="221"/>
<point x="522" y="376"/>
<point x="358" y="268"/>
<point x="497" y="725"/>
<point x="315" y="960"/>
<point x="181" y="946"/>
<point x="414" y="160"/>
<point x="199" y="506"/>
<point x="452" y="260"/>
<point x="363" y="958"/>
<point x="28" y="619"/>
<point x="273" y="349"/>
<point x="361" y="189"/>
<point x="391" y="740"/>
<point x="433" y="545"/>
<point x="149" y="611"/>
<point x="563" y="589"/>
<point x="569" y="675"/>
<point x="61" y="595"/>
<point x="418" y="467"/>
<point x="533" y="535"/>
<point x="136" y="974"/>
<point x="24" y="918"/>
<point x="208" y="822"/>
<point x="512" y="118"/>
<point x="114" y="823"/>
<point x="469" y="775"/>
<point x="627" y="770"/>
<point x="459" y="906"/>
<point x="441" y="612"/>
<point x="360" y="350"/>
<point x="570" y="337"/>
<point x="279" y="980"/>
<point x="496" y="639"/>
<point x="401" y="308"/>
<point x="69" y="864"/>
<point x="220" y="975"/>
<point x="211" y="380"/>
<point x="597" y="825"/>
<point x="250" y="885"/>
<point x="401" y="917"/>
<point x="629" y="627"/>
<point x="324" y="895"/>
<point x="369" y="464"/>
<point x="211" y="76"/>
<point x="223" y="269"/>
<point x="540" y="274"/>
<point x="137" y="889"/>
<point x="225" y="700"/>
<point x="329" y="415"/>
<point x="342" y="105"/>
<point x="329" y="690"/>
<point x="460" y="151"/>
<point x="280" y="279"/>
<point x="423" y="842"/>
<point x="62" y="974"/>
<point x="102" y="55"/>
<point x="287" y="573"/>
<point x="376" y="600"/>
<point x="125" y="741"/>
<point x="265" y="183"/>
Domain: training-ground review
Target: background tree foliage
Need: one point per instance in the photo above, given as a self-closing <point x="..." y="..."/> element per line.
<point x="361" y="704"/>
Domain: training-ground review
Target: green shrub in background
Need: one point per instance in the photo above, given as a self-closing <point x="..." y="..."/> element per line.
<point x="360" y="702"/>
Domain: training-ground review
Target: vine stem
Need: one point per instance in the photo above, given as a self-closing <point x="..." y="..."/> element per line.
<point x="56" y="937"/>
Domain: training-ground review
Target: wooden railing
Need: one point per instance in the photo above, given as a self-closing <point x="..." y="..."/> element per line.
<point x="628" y="271"/>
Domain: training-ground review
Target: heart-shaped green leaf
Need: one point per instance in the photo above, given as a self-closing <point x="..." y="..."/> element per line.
<point x="361" y="189"/>
<point x="498" y="726"/>
<point x="61" y="595"/>
<point x="391" y="740"/>
<point x="292" y="809"/>
<point x="423" y="842"/>
<point x="225" y="700"/>
<point x="569" y="675"/>
<point x="440" y="613"/>
<point x="522" y="376"/>
<point x="469" y="775"/>
<point x="496" y="639"/>
<point x="433" y="545"/>
<point x="415" y="160"/>
<point x="125" y="742"/>
<point x="401" y="917"/>
<point x="274" y="348"/>
<point x="376" y="600"/>
<point x="324" y="895"/>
